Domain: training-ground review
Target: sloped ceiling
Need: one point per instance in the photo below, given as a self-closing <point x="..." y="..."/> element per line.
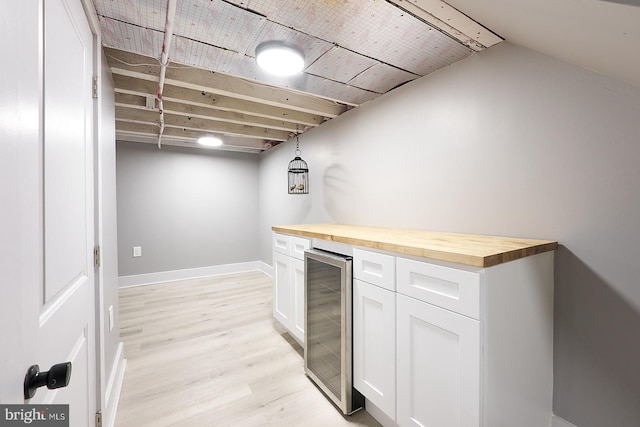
<point x="603" y="36"/>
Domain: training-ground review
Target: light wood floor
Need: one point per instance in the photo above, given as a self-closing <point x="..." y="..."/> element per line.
<point x="207" y="352"/>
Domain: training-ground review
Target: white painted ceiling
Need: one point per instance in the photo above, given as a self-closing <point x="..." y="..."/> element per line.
<point x="603" y="36"/>
<point x="355" y="51"/>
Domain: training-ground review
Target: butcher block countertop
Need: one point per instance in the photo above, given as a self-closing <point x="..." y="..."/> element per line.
<point x="468" y="249"/>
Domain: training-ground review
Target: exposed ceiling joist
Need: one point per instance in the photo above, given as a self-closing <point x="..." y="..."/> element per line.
<point x="130" y="85"/>
<point x="451" y="21"/>
<point x="141" y="67"/>
<point x="187" y="135"/>
<point x="354" y="52"/>
<point x="178" y="108"/>
<point x="199" y="124"/>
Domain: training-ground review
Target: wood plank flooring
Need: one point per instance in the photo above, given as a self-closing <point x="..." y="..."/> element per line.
<point x="207" y="352"/>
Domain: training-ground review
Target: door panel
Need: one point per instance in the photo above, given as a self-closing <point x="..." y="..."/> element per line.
<point x="66" y="137"/>
<point x="438" y="366"/>
<point x="59" y="306"/>
<point x="282" y="288"/>
<point x="374" y="345"/>
<point x="297" y="289"/>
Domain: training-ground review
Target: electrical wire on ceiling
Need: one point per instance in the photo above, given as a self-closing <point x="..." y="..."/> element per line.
<point x="164" y="61"/>
<point x="157" y="64"/>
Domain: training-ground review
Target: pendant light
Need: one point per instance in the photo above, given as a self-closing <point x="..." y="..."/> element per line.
<point x="298" y="173"/>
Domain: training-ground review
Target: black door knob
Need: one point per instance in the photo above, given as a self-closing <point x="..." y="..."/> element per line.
<point x="56" y="377"/>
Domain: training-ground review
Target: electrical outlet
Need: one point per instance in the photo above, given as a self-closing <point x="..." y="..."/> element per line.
<point x="110" y="318"/>
<point x="137" y="251"/>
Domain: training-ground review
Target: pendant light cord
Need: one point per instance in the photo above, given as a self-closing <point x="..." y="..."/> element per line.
<point x="298" y="152"/>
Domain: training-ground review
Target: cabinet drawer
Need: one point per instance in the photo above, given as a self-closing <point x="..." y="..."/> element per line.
<point x="449" y="288"/>
<point x="297" y="246"/>
<point x="281" y="243"/>
<point x="372" y="267"/>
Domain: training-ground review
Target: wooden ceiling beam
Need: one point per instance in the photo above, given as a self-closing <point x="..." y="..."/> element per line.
<point x="439" y="14"/>
<point x="130" y="85"/>
<point x="143" y="67"/>
<point x="178" y="108"/>
<point x="197" y="124"/>
<point x="179" y="142"/>
<point x="151" y="131"/>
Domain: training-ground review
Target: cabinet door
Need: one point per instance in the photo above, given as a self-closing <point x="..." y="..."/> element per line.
<point x="282" y="288"/>
<point x="374" y="345"/>
<point x="297" y="290"/>
<point x="438" y="354"/>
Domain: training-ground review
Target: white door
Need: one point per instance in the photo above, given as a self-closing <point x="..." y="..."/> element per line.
<point x="438" y="357"/>
<point x="47" y="202"/>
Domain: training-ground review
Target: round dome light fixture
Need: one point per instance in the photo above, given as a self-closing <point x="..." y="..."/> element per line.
<point x="209" y="141"/>
<point x="279" y="58"/>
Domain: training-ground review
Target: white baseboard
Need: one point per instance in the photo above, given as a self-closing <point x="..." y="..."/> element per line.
<point x="559" y="422"/>
<point x="191" y="273"/>
<point x="266" y="268"/>
<point x="114" y="386"/>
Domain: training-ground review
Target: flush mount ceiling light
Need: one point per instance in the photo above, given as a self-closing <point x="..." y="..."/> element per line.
<point x="209" y="141"/>
<point x="278" y="58"/>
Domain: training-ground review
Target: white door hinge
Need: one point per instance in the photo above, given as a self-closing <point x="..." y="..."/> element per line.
<point x="99" y="419"/>
<point x="95" y="87"/>
<point x="96" y="256"/>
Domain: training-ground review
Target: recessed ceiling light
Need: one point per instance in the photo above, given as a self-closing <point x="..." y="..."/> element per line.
<point x="210" y="141"/>
<point x="278" y="58"/>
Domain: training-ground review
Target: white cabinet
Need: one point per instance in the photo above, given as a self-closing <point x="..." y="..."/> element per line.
<point x="288" y="282"/>
<point x="454" y="345"/>
<point x="446" y="342"/>
<point x="282" y="306"/>
<point x="297" y="288"/>
<point x="281" y="243"/>
<point x="374" y="345"/>
<point x="475" y="345"/>
<point x="375" y="268"/>
<point x="450" y="288"/>
<point x="438" y="366"/>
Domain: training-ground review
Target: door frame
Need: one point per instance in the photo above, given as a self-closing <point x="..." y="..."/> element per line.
<point x="101" y="379"/>
<point x="109" y="372"/>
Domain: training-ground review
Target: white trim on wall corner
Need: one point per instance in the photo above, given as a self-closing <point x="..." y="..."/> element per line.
<point x="114" y="387"/>
<point x="559" y="422"/>
<point x="266" y="269"/>
<point x="189" y="273"/>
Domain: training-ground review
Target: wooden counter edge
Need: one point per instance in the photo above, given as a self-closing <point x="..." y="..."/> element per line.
<point x="441" y="255"/>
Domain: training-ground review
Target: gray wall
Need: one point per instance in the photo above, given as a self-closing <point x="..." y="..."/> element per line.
<point x="108" y="218"/>
<point x="187" y="208"/>
<point x="507" y="142"/>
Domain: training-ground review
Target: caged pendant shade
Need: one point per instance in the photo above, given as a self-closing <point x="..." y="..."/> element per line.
<point x="298" y="173"/>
